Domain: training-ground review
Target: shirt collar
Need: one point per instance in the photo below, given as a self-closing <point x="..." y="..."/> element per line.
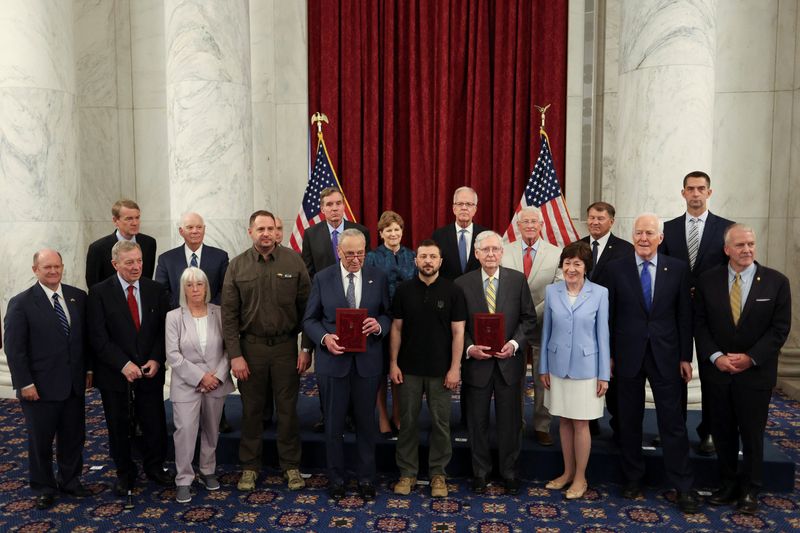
<point x="121" y="238"/>
<point x="747" y="274"/>
<point x="702" y="217"/>
<point x="485" y="276"/>
<point x="188" y="252"/>
<point x="535" y="245"/>
<point x="339" y="228"/>
<point x="50" y="292"/>
<point x="639" y="260"/>
<point x="602" y="241"/>
<point x="459" y="228"/>
<point x="125" y="284"/>
<point x="344" y="272"/>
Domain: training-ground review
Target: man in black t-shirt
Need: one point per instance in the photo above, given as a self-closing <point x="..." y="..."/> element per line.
<point x="426" y="345"/>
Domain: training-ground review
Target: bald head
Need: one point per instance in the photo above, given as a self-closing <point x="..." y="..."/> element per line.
<point x="193" y="230"/>
<point x="48" y="268"/>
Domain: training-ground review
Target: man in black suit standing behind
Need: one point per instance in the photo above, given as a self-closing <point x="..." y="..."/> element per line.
<point x="126" y="216"/>
<point x="605" y="247"/>
<point x="126" y="330"/>
<point x="697" y="238"/>
<point x="496" y="289"/>
<point x="743" y="313"/>
<point x="321" y="250"/>
<point x="457" y="240"/>
<point x="46" y="351"/>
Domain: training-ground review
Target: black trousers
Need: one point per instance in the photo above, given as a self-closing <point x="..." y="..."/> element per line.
<point x="64" y="421"/>
<point x="150" y="416"/>
<point x="740" y="412"/>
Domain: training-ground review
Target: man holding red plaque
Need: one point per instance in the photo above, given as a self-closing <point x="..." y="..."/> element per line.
<point x="485" y="372"/>
<point x="338" y="294"/>
<point x="426" y="346"/>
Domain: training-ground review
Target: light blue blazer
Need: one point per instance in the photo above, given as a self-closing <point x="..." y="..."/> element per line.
<point x="575" y="341"/>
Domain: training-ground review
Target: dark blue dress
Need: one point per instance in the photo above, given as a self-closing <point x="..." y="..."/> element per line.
<point x="398" y="267"/>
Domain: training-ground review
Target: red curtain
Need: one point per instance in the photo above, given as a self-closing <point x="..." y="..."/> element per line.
<point x="426" y="96"/>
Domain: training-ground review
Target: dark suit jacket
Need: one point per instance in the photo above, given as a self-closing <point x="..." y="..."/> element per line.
<point x="38" y="350"/>
<point x="172" y="263"/>
<point x="763" y="325"/>
<point x="615" y="248"/>
<point x="327" y="293"/>
<point x="317" y="247"/>
<point x="515" y="302"/>
<point x="668" y="325"/>
<point x="447" y="239"/>
<point x="114" y="338"/>
<point x="709" y="254"/>
<point x="98" y="258"/>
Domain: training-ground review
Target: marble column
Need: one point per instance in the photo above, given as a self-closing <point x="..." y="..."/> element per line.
<point x="666" y="106"/>
<point x="209" y="117"/>
<point x="38" y="144"/>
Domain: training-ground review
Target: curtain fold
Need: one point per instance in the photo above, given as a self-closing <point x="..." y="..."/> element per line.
<point x="426" y="96"/>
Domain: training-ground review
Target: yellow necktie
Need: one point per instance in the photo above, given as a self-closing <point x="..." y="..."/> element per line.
<point x="736" y="298"/>
<point x="491" y="295"/>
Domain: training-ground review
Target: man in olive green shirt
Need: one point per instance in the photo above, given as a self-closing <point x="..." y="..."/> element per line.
<point x="263" y="299"/>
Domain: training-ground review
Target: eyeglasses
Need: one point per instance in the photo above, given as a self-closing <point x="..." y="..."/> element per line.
<point x="354" y="255"/>
<point x="490" y="249"/>
<point x="468" y="205"/>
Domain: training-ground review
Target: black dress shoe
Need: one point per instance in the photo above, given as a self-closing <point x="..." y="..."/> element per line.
<point x="318" y="427"/>
<point x="45" y="501"/>
<point x="688" y="502"/>
<point x="632" y="490"/>
<point x="511" y="485"/>
<point x="79" y="491"/>
<point x="478" y="485"/>
<point x="366" y="491"/>
<point x="706" y="447"/>
<point x="161" y="477"/>
<point x="336" y="491"/>
<point x="724" y="495"/>
<point x="748" y="504"/>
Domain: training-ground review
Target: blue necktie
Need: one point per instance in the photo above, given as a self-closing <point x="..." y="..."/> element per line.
<point x="193" y="262"/>
<point x="646" y="289"/>
<point x="462" y="250"/>
<point x="335" y="243"/>
<point x="62" y="316"/>
<point x="351" y="291"/>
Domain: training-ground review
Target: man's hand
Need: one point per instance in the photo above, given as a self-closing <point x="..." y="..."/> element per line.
<point x="686" y="371"/>
<point x="30" y="394"/>
<point x="330" y="344"/>
<point x="240" y="369"/>
<point x="209" y="382"/>
<point x="602" y="387"/>
<point x="395" y="374"/>
<point x="89" y="380"/>
<point x="723" y="363"/>
<point x="303" y="361"/>
<point x="150" y="368"/>
<point x="131" y="372"/>
<point x="545" y="379"/>
<point x="452" y="378"/>
<point x="370" y="326"/>
<point x="740" y="362"/>
<point x="507" y="351"/>
<point x="479" y="352"/>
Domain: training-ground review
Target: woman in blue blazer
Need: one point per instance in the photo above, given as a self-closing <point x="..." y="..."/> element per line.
<point x="575" y="364"/>
<point x="397" y="262"/>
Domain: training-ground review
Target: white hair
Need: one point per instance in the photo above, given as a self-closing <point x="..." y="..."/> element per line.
<point x="650" y="215"/>
<point x="482" y="236"/>
<point x="530" y="210"/>
<point x="465" y="189"/>
<point x="193" y="274"/>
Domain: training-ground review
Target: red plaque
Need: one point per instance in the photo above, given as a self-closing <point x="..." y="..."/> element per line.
<point x="490" y="330"/>
<point x="349" y="323"/>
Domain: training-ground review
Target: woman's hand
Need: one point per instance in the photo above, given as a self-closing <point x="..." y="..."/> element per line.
<point x="602" y="387"/>
<point x="545" y="379"/>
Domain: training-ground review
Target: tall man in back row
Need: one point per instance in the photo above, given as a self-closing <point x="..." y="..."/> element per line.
<point x="263" y="297"/>
<point x="321" y="250"/>
<point x="696" y="237"/>
<point x="743" y="313"/>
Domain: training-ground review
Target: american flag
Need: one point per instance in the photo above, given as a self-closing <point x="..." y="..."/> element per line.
<point x="544" y="192"/>
<point x="322" y="176"/>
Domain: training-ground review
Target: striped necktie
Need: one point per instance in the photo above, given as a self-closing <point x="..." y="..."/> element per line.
<point x="491" y="295"/>
<point x="62" y="316"/>
<point x="693" y="240"/>
<point x="736" y="298"/>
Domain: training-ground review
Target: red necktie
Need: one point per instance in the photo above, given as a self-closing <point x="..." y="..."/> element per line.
<point x="134" y="307"/>
<point x="527" y="262"/>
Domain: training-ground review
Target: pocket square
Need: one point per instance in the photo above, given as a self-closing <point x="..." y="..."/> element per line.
<point x="763" y="299"/>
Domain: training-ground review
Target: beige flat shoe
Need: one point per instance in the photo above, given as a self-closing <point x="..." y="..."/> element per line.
<point x="555" y="484"/>
<point x="575" y="494"/>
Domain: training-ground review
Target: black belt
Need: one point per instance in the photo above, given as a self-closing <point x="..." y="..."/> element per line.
<point x="269" y="341"/>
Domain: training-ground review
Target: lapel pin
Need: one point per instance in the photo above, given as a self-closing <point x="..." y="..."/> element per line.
<point x="370" y="281"/>
<point x="758" y="278"/>
<point x="72" y="299"/>
<point x="665" y="269"/>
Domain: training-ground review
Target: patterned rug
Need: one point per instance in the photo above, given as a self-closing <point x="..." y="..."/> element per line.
<point x="272" y="508"/>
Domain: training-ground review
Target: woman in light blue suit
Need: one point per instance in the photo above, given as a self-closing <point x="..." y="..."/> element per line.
<point x="575" y="364"/>
<point x="199" y="382"/>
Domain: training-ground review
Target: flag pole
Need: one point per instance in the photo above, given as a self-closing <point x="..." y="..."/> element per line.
<point x="318" y="118"/>
<point x="542" y="111"/>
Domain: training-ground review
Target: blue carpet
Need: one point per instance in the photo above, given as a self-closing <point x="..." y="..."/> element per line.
<point x="272" y="508"/>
